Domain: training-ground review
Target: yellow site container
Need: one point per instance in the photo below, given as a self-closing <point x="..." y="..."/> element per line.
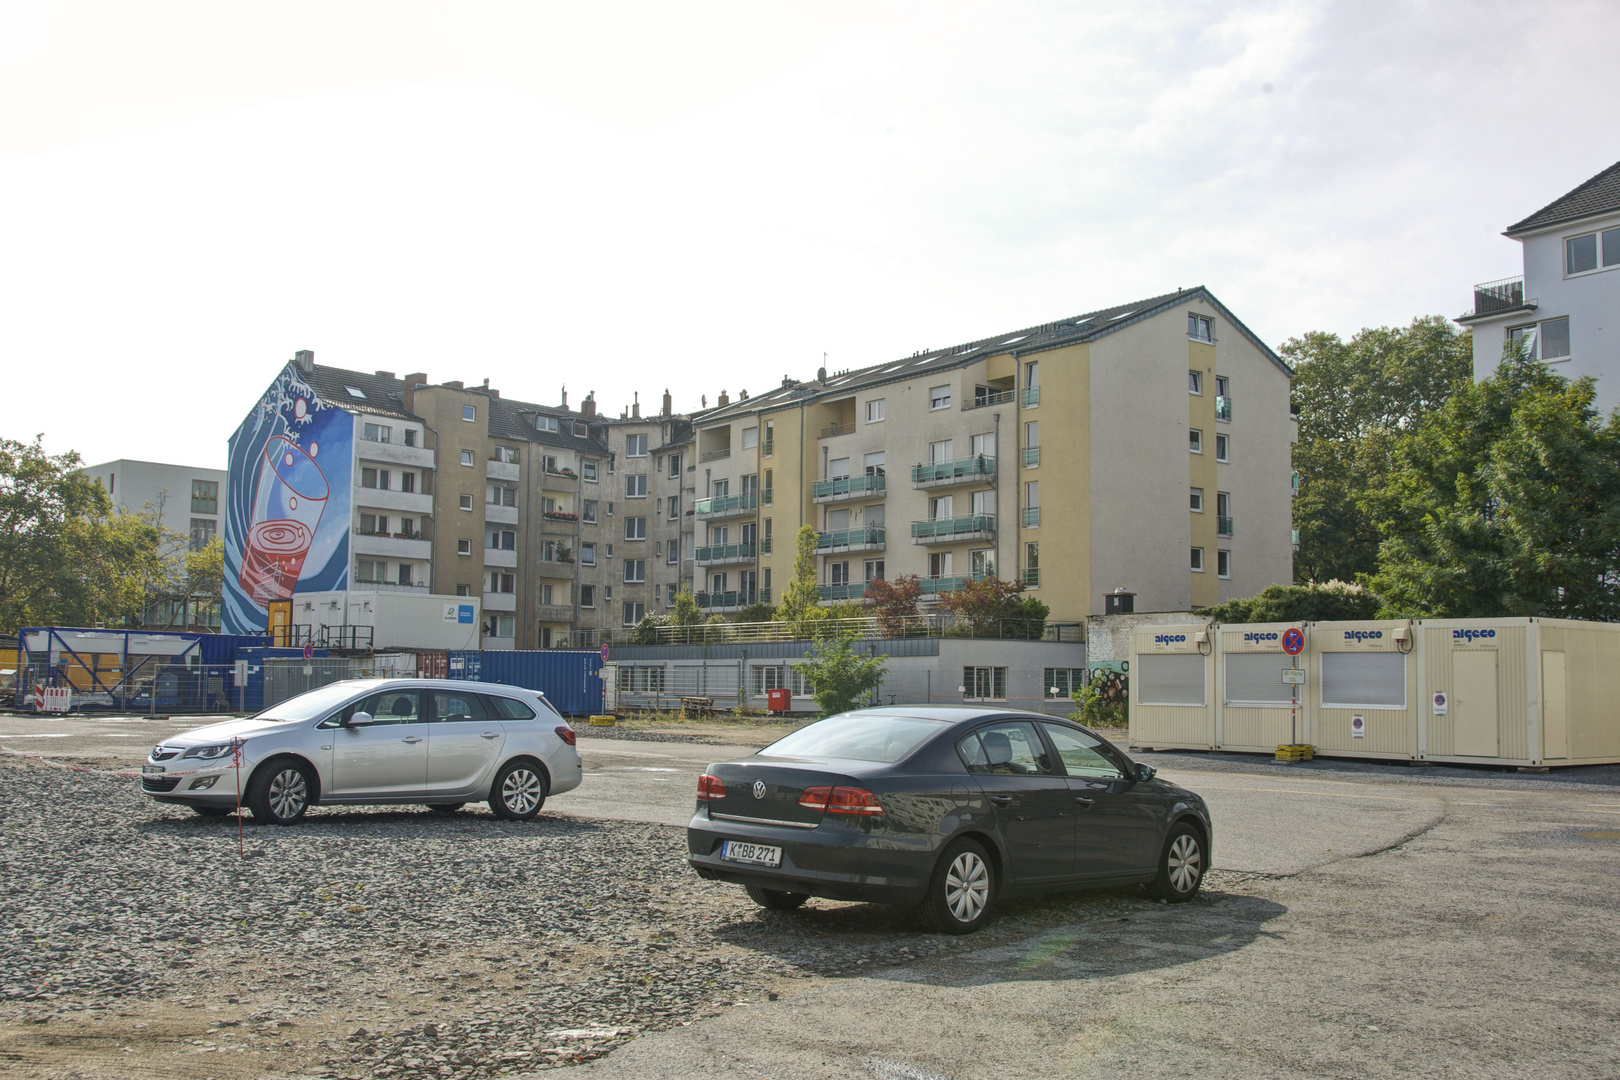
<point x="1362" y="685"/>
<point x="1258" y="712"/>
<point x="1172" y="687"/>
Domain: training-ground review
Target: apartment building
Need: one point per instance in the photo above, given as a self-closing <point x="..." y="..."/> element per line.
<point x="564" y="523"/>
<point x="1564" y="308"/>
<point x="1143" y="447"/>
<point x="182" y="497"/>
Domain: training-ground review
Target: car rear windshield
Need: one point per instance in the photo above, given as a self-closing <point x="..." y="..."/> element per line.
<point x="308" y="706"/>
<point x="862" y="738"/>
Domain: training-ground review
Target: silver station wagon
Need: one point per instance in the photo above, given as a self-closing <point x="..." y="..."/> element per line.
<point x="437" y="742"/>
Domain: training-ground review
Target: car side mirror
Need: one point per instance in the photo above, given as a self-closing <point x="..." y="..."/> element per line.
<point x="1144" y="773"/>
<point x="360" y="719"/>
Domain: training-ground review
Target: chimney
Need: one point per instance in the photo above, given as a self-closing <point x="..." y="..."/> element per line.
<point x="723" y="400"/>
<point x="587" y="408"/>
<point x="635" y="409"/>
<point x="305" y="359"/>
<point x="565" y="396"/>
<point x="412" y="381"/>
<point x="669" y="402"/>
<point x="742" y="395"/>
<point x="492" y="393"/>
<point x="385" y="374"/>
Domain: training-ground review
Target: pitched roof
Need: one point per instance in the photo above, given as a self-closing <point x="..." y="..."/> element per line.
<point x="378" y="392"/>
<point x="1599" y="195"/>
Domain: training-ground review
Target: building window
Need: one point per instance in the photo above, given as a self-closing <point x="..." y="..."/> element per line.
<point x="1542" y="341"/>
<point x="407" y="482"/>
<point x="463" y="590"/>
<point x="1197" y="562"/>
<point x="1581" y="252"/>
<point x="939" y="564"/>
<point x="1222" y="448"/>
<point x="1032" y="564"/>
<point x="202" y="531"/>
<point x="467" y="458"/>
<point x="838" y="573"/>
<point x="500" y="495"/>
<point x="587" y="469"/>
<point x="587" y="596"/>
<point x="500" y="626"/>
<point x="1223" y="564"/>
<point x="982" y="562"/>
<point x="1200" y="328"/>
<point x="635" y="487"/>
<point x="501" y="540"/>
<point x="1222" y="386"/>
<point x="984" y="684"/>
<point x="750" y="437"/>
<point x="939" y="397"/>
<point x="463" y="547"/>
<point x="501" y="583"/>
<point x="466" y="502"/>
<point x="875" y="410"/>
<point x="635" y="446"/>
<point x="1060" y="682"/>
<point x="204" y="496"/>
<point x="410" y="436"/>
<point x="370" y="571"/>
<point x="674" y="508"/>
<point x="374" y="478"/>
<point x="469" y="414"/>
<point x="778" y="677"/>
<point x="874" y="570"/>
<point x="635" y="571"/>
<point x="674" y="466"/>
<point x="1195" y="382"/>
<point x="545" y="423"/>
<point x="507" y="454"/>
<point x="588" y="514"/>
<point x="1195" y="440"/>
<point x="587" y="554"/>
<point x="377" y="433"/>
<point x="1195" y="500"/>
<point x="635" y="528"/>
<point x="634" y="611"/>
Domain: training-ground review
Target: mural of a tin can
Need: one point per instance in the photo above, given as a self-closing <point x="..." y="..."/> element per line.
<point x="287" y="514"/>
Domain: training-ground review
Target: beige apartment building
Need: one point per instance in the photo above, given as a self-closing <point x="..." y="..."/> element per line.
<point x="1144" y="447"/>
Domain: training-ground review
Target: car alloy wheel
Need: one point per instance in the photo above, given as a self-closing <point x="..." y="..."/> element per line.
<point x="1181" y="866"/>
<point x="280" y="792"/>
<point x="519" y="791"/>
<point x="967" y="887"/>
<point x="1185" y="863"/>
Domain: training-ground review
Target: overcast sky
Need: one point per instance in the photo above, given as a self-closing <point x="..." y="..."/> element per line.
<point x="629" y="196"/>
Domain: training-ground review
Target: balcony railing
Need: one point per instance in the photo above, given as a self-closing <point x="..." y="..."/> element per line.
<point x="1032" y="456"/>
<point x="1031" y="577"/>
<point x="737" y="598"/>
<point x="768" y="447"/>
<point x="1223" y="526"/>
<point x="718" y="553"/>
<point x="1296" y="539"/>
<point x="1503" y="295"/>
<point x="845" y="487"/>
<point x="944" y="530"/>
<point x="1032" y="516"/>
<point x="765" y="546"/>
<point x="1223" y="408"/>
<point x="726" y="505"/>
<point x="1293" y="482"/>
<point x="962" y="470"/>
<point x="1032" y="396"/>
<point x="936" y="585"/>
<point x="849" y="590"/>
<point x="851" y="539"/>
<point x="994" y="397"/>
<point x="765" y="496"/>
<point x="837" y="429"/>
<point x="716" y="455"/>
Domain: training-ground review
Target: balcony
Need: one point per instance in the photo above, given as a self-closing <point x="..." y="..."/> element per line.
<point x="360" y="584"/>
<point x="1296" y="538"/>
<point x="724" y="553"/>
<point x="406" y="502"/>
<point x="869" y="538"/>
<point x="727" y="506"/>
<point x="1031" y="456"/>
<point x="500" y="601"/>
<point x="735" y="600"/>
<point x="1495" y="297"/>
<point x="952" y="530"/>
<point x="393" y="546"/>
<point x="994" y="397"/>
<point x="558" y="481"/>
<point x="935" y="474"/>
<point x="1223" y="526"/>
<point x="498" y="644"/>
<point x="502" y="557"/>
<point x="836" y="430"/>
<point x="849" y="590"/>
<point x="389" y="453"/>
<point x="768" y="447"/>
<point x="1223" y="408"/>
<point x="1031" y="577"/>
<point x="554" y="613"/>
<point x="765" y="546"/>
<point x="716" y="455"/>
<point x="501" y="515"/>
<point x="932" y="586"/>
<point x="1032" y="396"/>
<point x="842" y="488"/>
<point x="1293" y="483"/>
<point x="1032" y="516"/>
<point x="501" y="470"/>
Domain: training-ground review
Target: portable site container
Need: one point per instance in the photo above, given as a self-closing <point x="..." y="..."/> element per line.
<point x="1362" y="685"/>
<point x="1172" y="687"/>
<point x="1258" y="712"/>
<point x="1527" y="692"/>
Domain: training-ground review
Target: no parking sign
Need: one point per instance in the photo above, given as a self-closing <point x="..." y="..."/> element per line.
<point x="1358" y="727"/>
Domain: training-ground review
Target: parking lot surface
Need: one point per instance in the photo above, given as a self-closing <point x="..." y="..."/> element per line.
<point x="1361" y="922"/>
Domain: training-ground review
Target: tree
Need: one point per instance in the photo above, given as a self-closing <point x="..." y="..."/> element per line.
<point x="1298" y="603"/>
<point x="1355" y="399"/>
<point x="1504" y="502"/>
<point x="758" y="611"/>
<point x="801" y="607"/>
<point x="994" y="608"/>
<point x="839" y="676"/>
<point x="1103" y="701"/>
<point x="646" y="629"/>
<point x="893" y="603"/>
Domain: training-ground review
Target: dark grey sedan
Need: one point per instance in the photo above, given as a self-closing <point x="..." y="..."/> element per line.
<point x="945" y="809"/>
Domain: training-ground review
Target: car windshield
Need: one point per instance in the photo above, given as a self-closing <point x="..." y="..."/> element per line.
<point x="863" y="738"/>
<point x="309" y="706"/>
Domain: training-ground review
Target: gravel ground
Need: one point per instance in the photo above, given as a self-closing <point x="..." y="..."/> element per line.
<point x="394" y="943"/>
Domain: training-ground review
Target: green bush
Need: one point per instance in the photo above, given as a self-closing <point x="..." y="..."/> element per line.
<point x="1335" y="600"/>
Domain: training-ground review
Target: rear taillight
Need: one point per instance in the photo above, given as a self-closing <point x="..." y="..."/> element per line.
<point x="841" y="800"/>
<point x="566" y="734"/>
<point x="710" y="788"/>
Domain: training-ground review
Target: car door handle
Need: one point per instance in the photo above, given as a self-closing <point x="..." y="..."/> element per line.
<point x="1083" y="801"/>
<point x="412" y="739"/>
<point x="490" y="735"/>
<point x="1001" y="800"/>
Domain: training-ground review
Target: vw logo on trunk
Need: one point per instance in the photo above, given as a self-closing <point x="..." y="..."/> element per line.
<point x="759" y="789"/>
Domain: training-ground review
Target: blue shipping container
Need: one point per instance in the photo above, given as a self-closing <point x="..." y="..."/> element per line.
<point x="571" y="681"/>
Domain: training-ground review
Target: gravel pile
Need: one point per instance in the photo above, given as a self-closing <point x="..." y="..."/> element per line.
<point x="464" y="947"/>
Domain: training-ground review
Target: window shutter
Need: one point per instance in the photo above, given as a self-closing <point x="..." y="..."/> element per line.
<point x="1256" y="679"/>
<point x="1170" y="679"/>
<point x="1363" y="680"/>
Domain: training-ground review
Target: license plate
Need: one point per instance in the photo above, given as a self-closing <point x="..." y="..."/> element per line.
<point x="151" y="770"/>
<point x="737" y="851"/>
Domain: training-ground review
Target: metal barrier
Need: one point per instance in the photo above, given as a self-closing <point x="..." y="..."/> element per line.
<point x="168" y="688"/>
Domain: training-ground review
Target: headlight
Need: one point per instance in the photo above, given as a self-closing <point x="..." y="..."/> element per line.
<point x="208" y="753"/>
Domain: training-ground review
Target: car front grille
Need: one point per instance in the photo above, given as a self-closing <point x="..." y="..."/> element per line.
<point x="163" y="753"/>
<point x="159" y="783"/>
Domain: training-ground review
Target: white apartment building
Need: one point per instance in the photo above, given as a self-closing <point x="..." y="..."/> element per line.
<point x="183" y="498"/>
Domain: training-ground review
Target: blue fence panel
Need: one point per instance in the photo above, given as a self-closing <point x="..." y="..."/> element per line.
<point x="571" y="681"/>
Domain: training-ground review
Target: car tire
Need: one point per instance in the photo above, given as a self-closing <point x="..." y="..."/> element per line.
<point x="445" y="808"/>
<point x="1182" y="864"/>
<point x="280" y="791"/>
<point x="519" y="790"/>
<point x="212" y="811"/>
<point x="961" y="889"/>
<point x="776" y="899"/>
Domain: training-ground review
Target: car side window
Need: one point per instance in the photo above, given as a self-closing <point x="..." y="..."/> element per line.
<point x="1081" y="754"/>
<point x="1007" y="749"/>
<point x="505" y="708"/>
<point x="391" y="707"/>
<point x="450" y="706"/>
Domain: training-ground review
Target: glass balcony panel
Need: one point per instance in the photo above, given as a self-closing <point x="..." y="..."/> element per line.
<point x="1032" y="516"/>
<point x="1032" y="456"/>
<point x="952" y="472"/>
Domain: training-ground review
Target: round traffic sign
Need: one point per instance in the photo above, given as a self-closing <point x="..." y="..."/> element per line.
<point x="309" y="651"/>
<point x="1293" y="641"/>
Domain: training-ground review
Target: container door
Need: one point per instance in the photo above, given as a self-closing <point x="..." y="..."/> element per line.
<point x="1474" y="703"/>
<point x="1554" y="707"/>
